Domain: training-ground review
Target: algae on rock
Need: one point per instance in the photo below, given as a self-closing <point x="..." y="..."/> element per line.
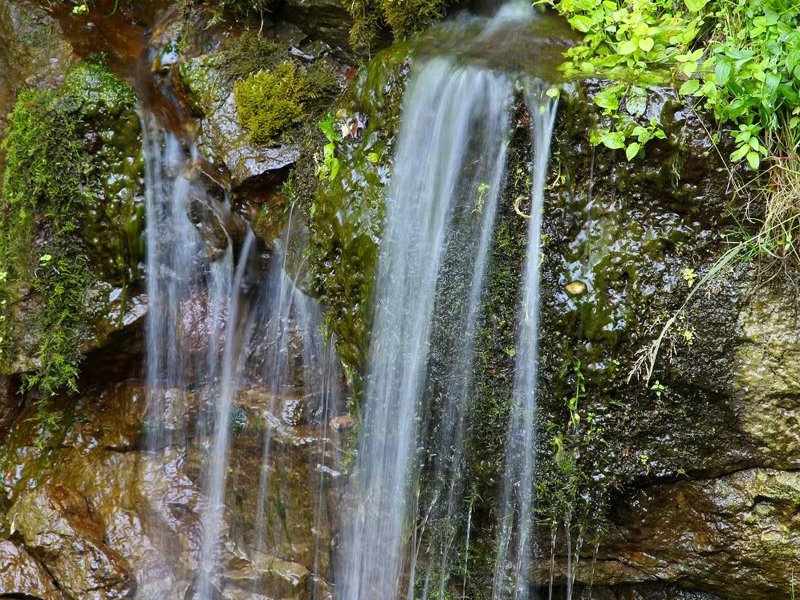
<point x="71" y="220"/>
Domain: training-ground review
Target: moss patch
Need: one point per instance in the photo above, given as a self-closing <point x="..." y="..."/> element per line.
<point x="402" y="17"/>
<point x="69" y="216"/>
<point x="346" y="212"/>
<point x="271" y="102"/>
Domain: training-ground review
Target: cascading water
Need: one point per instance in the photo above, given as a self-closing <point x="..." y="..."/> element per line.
<point x="449" y="167"/>
<point x="449" y="170"/>
<point x="208" y="338"/>
<point x="179" y="272"/>
<point x="514" y="544"/>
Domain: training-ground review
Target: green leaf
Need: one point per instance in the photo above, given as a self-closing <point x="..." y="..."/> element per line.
<point x="632" y="150"/>
<point x="636" y="102"/>
<point x="627" y="47"/>
<point x="722" y="72"/>
<point x="753" y="159"/>
<point x="696" y="5"/>
<point x="646" y="44"/>
<point x="335" y="165"/>
<point x="581" y="22"/>
<point x="739" y="154"/>
<point x="326" y="126"/>
<point x="613" y="139"/>
<point x="609" y="98"/>
<point x="689" y="87"/>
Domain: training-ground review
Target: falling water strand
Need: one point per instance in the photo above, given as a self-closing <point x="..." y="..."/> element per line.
<point x="218" y="465"/>
<point x="188" y="290"/>
<point x="515" y="535"/>
<point x="453" y="117"/>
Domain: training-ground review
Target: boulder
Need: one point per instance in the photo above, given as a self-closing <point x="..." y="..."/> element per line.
<point x="22" y="575"/>
<point x="58" y="528"/>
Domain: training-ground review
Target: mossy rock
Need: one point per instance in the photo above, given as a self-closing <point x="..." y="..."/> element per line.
<point x="251" y="98"/>
<point x="72" y="222"/>
<point x="345" y="211"/>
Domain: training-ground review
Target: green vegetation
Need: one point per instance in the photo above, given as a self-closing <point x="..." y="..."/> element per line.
<point x="345" y="214"/>
<point x="271" y="102"/>
<point x="249" y="53"/>
<point x="740" y="60"/>
<point x="58" y="191"/>
<point x="403" y="17"/>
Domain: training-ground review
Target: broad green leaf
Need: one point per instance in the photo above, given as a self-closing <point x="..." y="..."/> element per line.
<point x="689" y="87"/>
<point x="335" y="165"/>
<point x="609" y="98"/>
<point x="627" y="47"/>
<point x="753" y="159"/>
<point x="326" y="126"/>
<point x="696" y="5"/>
<point x="722" y="72"/>
<point x="646" y="44"/>
<point x="613" y="139"/>
<point x="632" y="150"/>
<point x="636" y="102"/>
<point x="739" y="154"/>
<point x="581" y="22"/>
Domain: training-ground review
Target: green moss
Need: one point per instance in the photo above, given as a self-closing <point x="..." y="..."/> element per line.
<point x="249" y="53"/>
<point x="403" y="17"/>
<point x="271" y="102"/>
<point x="64" y="182"/>
<point x="346" y="212"/>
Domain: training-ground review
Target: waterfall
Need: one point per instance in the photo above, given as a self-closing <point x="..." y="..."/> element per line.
<point x="449" y="170"/>
<point x="211" y="333"/>
<point x="450" y="167"/>
<point x="514" y="544"/>
<point x="218" y="467"/>
<point x="186" y="289"/>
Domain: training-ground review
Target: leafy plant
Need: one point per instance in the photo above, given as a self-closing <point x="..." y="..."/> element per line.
<point x="740" y="60"/>
<point x="330" y="164"/>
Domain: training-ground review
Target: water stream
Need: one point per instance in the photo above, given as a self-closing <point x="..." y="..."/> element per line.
<point x="214" y="332"/>
<point x="515" y="540"/>
<point x="222" y="328"/>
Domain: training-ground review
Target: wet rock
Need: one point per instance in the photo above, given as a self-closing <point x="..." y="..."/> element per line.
<point x="736" y="535"/>
<point x="210" y="226"/>
<point x="766" y="371"/>
<point x="210" y="95"/>
<point x="22" y="575"/>
<point x="326" y="20"/>
<point x="92" y="485"/>
<point x="33" y="51"/>
<point x="59" y="529"/>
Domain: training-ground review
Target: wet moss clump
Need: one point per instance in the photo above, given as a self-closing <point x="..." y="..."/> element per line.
<point x="271" y="102"/>
<point x="249" y="53"/>
<point x="403" y="17"/>
<point x="348" y="195"/>
<point x="68" y="217"/>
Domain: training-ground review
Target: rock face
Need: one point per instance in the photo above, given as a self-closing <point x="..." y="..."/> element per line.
<point x="108" y="519"/>
<point x="689" y="483"/>
<point x="20" y="574"/>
